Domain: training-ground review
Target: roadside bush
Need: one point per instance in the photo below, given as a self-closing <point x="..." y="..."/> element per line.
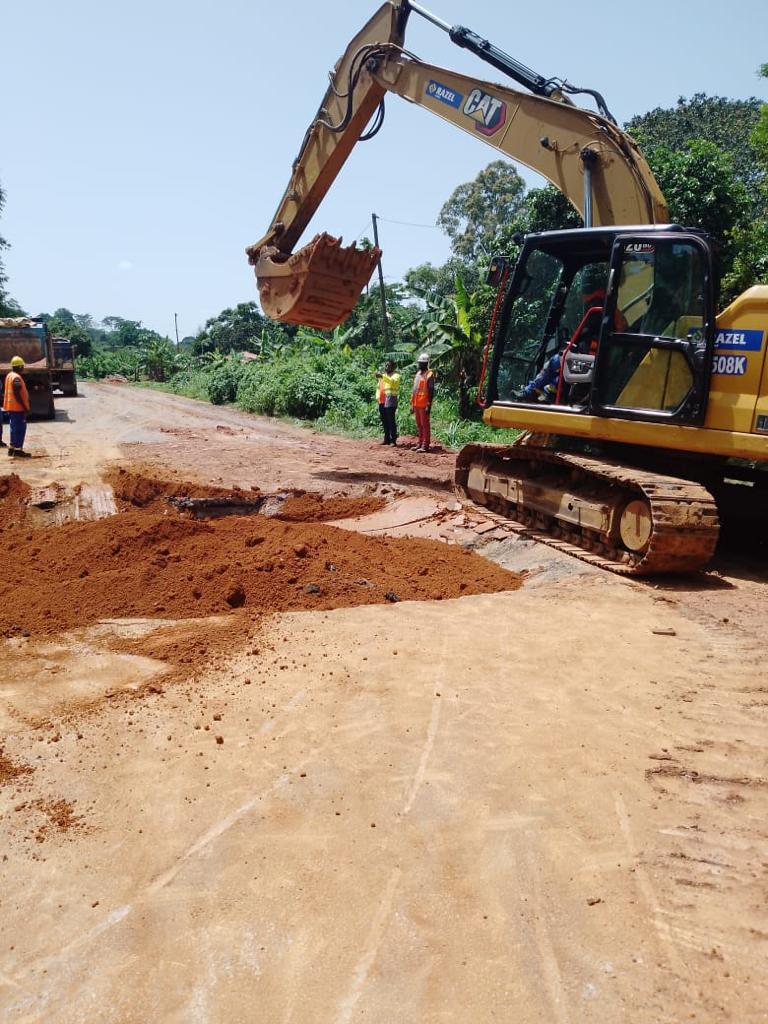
<point x="105" y="362"/>
<point x="223" y="381"/>
<point x="190" y="382"/>
<point x="333" y="390"/>
<point x="307" y="386"/>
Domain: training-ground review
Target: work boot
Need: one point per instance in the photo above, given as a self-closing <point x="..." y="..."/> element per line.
<point x="3" y="444"/>
<point x="19" y="453"/>
<point x="11" y="451"/>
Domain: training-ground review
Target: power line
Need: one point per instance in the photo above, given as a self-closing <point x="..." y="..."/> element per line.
<point x="409" y="223"/>
<point x="363" y="230"/>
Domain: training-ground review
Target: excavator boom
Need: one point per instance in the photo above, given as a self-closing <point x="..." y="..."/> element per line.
<point x="320" y="285"/>
<point x="584" y="154"/>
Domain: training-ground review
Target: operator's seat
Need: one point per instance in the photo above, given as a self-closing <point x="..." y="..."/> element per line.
<point x="579" y="358"/>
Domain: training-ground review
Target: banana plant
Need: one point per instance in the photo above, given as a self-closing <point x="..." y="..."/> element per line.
<point x="157" y="358"/>
<point x="453" y="342"/>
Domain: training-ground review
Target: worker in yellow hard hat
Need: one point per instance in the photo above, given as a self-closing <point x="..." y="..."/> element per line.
<point x="16" y="405"/>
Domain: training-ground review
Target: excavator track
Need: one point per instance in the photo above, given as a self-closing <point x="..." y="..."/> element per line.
<point x="626" y="520"/>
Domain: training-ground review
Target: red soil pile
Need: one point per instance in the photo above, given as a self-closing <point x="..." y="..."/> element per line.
<point x="143" y="488"/>
<point x="309" y="507"/>
<point x="148" y="564"/>
<point x="13" y="501"/>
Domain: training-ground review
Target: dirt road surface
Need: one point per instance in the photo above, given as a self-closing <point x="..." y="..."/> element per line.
<point x="531" y="806"/>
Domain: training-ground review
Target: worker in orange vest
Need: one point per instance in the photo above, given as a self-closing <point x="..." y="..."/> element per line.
<point x="421" y="400"/>
<point x="16" y="405"/>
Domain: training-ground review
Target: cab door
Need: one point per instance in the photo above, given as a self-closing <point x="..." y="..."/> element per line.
<point x="654" y="357"/>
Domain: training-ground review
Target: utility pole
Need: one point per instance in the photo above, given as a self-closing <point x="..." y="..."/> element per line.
<point x="176" y="325"/>
<point x="374" y="219"/>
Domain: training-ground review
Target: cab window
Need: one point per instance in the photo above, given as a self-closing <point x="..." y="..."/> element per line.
<point x="649" y="361"/>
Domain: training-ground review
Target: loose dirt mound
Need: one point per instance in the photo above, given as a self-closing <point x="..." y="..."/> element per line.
<point x="308" y="507"/>
<point x="144" y="488"/>
<point x="145" y="564"/>
<point x="13" y="501"/>
<point x="140" y="488"/>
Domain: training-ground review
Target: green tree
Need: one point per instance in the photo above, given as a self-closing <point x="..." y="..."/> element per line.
<point x="547" y="209"/>
<point x="8" y="306"/>
<point x="760" y="131"/>
<point x="124" y="333"/>
<point x="476" y="211"/>
<point x="239" y="329"/>
<point x="64" y="316"/>
<point x="80" y="339"/>
<point x="750" y="262"/>
<point x="703" y="191"/>
<point x="701" y="187"/>
<point x="429" y="282"/>
<point x="365" y="322"/>
<point x="454" y="342"/>
<point x="157" y="358"/>
<point x="727" y="124"/>
<point x="85" y="321"/>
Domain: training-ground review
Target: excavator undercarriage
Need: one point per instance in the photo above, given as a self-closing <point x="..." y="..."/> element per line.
<point x="631" y="521"/>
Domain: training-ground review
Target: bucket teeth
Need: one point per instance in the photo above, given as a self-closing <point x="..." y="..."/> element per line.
<point x="317" y="286"/>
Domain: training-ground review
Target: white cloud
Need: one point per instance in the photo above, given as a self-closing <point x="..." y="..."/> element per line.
<point x="125" y="265"/>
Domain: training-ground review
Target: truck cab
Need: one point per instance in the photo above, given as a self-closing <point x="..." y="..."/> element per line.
<point x="64" y="374"/>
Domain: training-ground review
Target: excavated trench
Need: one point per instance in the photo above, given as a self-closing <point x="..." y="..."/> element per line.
<point x="175" y="550"/>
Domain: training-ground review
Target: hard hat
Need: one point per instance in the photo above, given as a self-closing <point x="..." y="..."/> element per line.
<point x="423" y="358"/>
<point x="17" y="363"/>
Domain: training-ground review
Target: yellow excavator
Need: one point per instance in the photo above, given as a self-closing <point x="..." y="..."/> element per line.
<point x="645" y="410"/>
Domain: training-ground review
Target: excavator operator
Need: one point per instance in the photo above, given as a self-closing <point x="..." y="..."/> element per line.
<point x="544" y="386"/>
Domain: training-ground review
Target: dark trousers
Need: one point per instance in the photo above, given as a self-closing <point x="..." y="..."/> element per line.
<point x="389" y="422"/>
<point x="18" y="421"/>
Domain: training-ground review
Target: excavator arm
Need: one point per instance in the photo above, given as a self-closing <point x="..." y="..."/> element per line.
<point x="584" y="154"/>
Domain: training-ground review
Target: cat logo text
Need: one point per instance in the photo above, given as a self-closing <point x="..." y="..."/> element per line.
<point x="488" y="113"/>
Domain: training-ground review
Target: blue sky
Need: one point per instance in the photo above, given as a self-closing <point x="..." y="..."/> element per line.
<point x="145" y="144"/>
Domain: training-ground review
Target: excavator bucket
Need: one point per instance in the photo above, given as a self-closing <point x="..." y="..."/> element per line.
<point x="318" y="285"/>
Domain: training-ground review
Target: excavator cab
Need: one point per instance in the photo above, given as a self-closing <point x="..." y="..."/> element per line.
<point x="616" y="322"/>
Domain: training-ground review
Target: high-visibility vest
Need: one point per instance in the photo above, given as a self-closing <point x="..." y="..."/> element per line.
<point x="10" y="402"/>
<point x="391" y="382"/>
<point x="420" y="396"/>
